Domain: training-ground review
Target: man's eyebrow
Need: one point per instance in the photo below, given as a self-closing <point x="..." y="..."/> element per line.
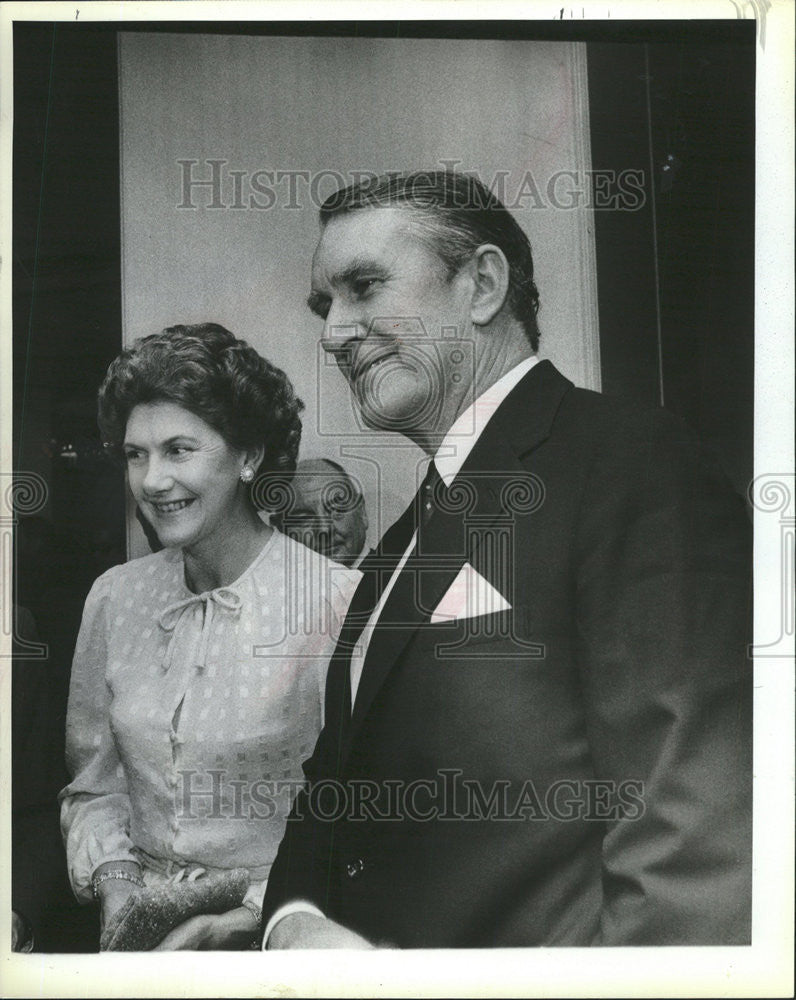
<point x="358" y="268"/>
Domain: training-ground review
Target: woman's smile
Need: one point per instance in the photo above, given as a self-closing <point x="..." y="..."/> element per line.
<point x="163" y="507"/>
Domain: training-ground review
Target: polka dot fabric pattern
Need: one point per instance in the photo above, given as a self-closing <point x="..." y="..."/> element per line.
<point x="190" y="715"/>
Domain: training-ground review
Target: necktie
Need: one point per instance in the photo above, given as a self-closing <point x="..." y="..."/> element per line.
<point x="382" y="564"/>
<point x="378" y="570"/>
<point x="430" y="494"/>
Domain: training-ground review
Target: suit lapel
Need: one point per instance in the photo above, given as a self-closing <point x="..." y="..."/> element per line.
<point x="376" y="569"/>
<point x="482" y="496"/>
<point x="428" y="572"/>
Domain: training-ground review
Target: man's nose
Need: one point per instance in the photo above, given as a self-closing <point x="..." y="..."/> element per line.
<point x="342" y="326"/>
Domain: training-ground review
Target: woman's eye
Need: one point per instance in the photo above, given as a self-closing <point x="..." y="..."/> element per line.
<point x="131" y="456"/>
<point x="179" y="449"/>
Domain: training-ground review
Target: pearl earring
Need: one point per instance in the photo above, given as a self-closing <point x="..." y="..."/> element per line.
<point x="246" y="474"/>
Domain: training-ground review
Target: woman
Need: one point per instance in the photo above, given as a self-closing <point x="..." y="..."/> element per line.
<point x="198" y="675"/>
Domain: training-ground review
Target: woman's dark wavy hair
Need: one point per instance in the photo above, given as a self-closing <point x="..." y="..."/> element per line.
<point x="205" y="369"/>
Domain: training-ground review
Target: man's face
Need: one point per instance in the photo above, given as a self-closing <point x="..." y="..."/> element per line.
<point x="386" y="300"/>
<point x="327" y="515"/>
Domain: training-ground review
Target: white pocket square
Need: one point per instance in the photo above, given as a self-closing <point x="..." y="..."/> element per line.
<point x="469" y="596"/>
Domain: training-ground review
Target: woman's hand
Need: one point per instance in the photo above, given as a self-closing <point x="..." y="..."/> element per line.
<point x="233" y="930"/>
<point x="114" y="892"/>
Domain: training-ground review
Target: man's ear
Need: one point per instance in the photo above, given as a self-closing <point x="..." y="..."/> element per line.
<point x="489" y="271"/>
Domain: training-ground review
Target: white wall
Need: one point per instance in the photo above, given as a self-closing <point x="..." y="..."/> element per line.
<point x="339" y="105"/>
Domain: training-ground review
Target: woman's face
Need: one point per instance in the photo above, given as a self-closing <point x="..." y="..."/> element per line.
<point x="182" y="473"/>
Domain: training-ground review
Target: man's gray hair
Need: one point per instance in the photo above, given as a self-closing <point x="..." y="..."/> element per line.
<point x="455" y="214"/>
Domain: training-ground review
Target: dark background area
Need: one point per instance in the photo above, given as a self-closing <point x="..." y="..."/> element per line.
<point x="683" y="328"/>
<point x="67" y="329"/>
<point x="699" y="112"/>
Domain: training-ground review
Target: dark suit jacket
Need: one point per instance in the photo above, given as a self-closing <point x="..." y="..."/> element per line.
<point x="578" y="770"/>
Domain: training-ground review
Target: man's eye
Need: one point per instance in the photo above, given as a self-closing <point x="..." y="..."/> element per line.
<point x="130" y="455"/>
<point x="363" y="285"/>
<point x="179" y="449"/>
<point x="319" y="304"/>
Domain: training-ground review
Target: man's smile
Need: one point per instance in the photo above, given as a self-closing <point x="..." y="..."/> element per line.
<point x="369" y="361"/>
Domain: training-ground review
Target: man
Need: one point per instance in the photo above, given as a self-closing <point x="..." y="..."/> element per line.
<point x="328" y="512"/>
<point x="550" y="734"/>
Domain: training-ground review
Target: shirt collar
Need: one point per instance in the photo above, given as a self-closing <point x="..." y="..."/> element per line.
<point x="361" y="557"/>
<point x="469" y="425"/>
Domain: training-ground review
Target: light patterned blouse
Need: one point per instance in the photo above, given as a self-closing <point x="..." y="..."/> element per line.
<point x="190" y="714"/>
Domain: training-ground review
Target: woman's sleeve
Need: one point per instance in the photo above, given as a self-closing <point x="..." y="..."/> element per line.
<point x="95" y="807"/>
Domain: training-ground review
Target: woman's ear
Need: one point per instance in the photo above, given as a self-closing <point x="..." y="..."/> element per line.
<point x="489" y="271"/>
<point x="254" y="456"/>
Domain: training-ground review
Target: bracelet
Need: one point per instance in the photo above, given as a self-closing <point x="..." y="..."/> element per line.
<point x="114" y="873"/>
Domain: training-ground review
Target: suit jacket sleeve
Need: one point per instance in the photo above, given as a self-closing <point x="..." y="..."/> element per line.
<point x="303" y="868"/>
<point x="663" y="595"/>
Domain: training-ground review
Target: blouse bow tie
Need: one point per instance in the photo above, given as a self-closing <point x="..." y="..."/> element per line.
<point x="174" y="614"/>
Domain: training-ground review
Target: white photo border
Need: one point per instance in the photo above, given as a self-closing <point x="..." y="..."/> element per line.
<point x="765" y="968"/>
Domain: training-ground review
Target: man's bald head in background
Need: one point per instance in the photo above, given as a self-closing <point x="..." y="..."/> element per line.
<point x="328" y="512"/>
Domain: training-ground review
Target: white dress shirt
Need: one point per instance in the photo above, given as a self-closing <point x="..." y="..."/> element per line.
<point x="449" y="458"/>
<point x="363" y="555"/>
